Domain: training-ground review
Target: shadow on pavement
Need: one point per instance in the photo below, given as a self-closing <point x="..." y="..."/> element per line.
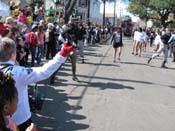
<point x="102" y="64"/>
<point x="168" y="68"/>
<point x="110" y="79"/>
<point x="109" y="85"/>
<point x="56" y="113"/>
<point x="134" y="63"/>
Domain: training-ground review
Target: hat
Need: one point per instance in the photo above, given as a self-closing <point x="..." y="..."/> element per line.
<point x="8" y="20"/>
<point x="34" y="26"/>
<point x="50" y="25"/>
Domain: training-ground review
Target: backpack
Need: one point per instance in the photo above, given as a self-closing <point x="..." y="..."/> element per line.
<point x="32" y="39"/>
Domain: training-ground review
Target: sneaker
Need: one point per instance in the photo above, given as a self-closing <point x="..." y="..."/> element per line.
<point x="149" y="61"/>
<point x="114" y="61"/>
<point x="132" y="53"/>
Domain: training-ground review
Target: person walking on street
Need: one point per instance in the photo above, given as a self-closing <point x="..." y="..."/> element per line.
<point x="117" y="43"/>
<point x="24" y="76"/>
<point x="134" y="40"/>
<point x="163" y="48"/>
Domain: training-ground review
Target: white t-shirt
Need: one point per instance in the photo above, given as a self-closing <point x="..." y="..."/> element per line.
<point x="24" y="76"/>
<point x="158" y="40"/>
<point x="137" y="36"/>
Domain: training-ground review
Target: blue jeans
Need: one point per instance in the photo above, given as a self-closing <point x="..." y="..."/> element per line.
<point x="40" y="53"/>
<point x="33" y="51"/>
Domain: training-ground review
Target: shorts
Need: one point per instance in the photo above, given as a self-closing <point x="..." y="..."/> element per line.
<point x="116" y="45"/>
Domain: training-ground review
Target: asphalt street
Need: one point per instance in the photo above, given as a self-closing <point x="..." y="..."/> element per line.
<point x="128" y="95"/>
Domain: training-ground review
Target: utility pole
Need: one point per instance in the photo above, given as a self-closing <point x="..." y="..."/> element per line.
<point x="114" y="11"/>
<point x="88" y="11"/>
<point x="104" y="12"/>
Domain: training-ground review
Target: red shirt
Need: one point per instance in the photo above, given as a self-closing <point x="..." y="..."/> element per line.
<point x="2" y="28"/>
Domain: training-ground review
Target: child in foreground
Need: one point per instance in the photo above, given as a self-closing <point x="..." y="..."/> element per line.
<point x="8" y="103"/>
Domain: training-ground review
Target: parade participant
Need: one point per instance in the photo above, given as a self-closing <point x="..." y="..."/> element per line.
<point x="25" y="76"/>
<point x="139" y="42"/>
<point x="163" y="48"/>
<point x="134" y="41"/>
<point x="67" y="42"/>
<point x="71" y="29"/>
<point x="8" y="103"/>
<point x="117" y="43"/>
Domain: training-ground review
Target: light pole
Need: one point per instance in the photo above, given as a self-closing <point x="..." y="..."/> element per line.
<point x="114" y="11"/>
<point x="104" y="12"/>
<point x="88" y="11"/>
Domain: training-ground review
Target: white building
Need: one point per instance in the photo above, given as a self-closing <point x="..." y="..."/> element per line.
<point x="95" y="15"/>
<point x="94" y="12"/>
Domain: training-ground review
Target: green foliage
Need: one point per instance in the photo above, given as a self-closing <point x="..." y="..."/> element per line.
<point x="147" y="9"/>
<point x="138" y="7"/>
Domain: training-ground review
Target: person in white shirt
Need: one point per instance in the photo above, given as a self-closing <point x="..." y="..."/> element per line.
<point x="25" y="76"/>
<point x="163" y="42"/>
<point x="138" y="38"/>
<point x="134" y="41"/>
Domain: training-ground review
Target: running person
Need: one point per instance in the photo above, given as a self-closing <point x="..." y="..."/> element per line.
<point x="163" y="48"/>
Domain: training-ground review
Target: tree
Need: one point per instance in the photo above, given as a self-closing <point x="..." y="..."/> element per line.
<point x="69" y="5"/>
<point x="152" y="9"/>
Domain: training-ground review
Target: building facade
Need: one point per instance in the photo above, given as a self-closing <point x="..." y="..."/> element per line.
<point x="95" y="15"/>
<point x="84" y="7"/>
<point x="94" y="6"/>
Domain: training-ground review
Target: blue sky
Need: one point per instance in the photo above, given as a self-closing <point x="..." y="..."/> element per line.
<point x="121" y="8"/>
